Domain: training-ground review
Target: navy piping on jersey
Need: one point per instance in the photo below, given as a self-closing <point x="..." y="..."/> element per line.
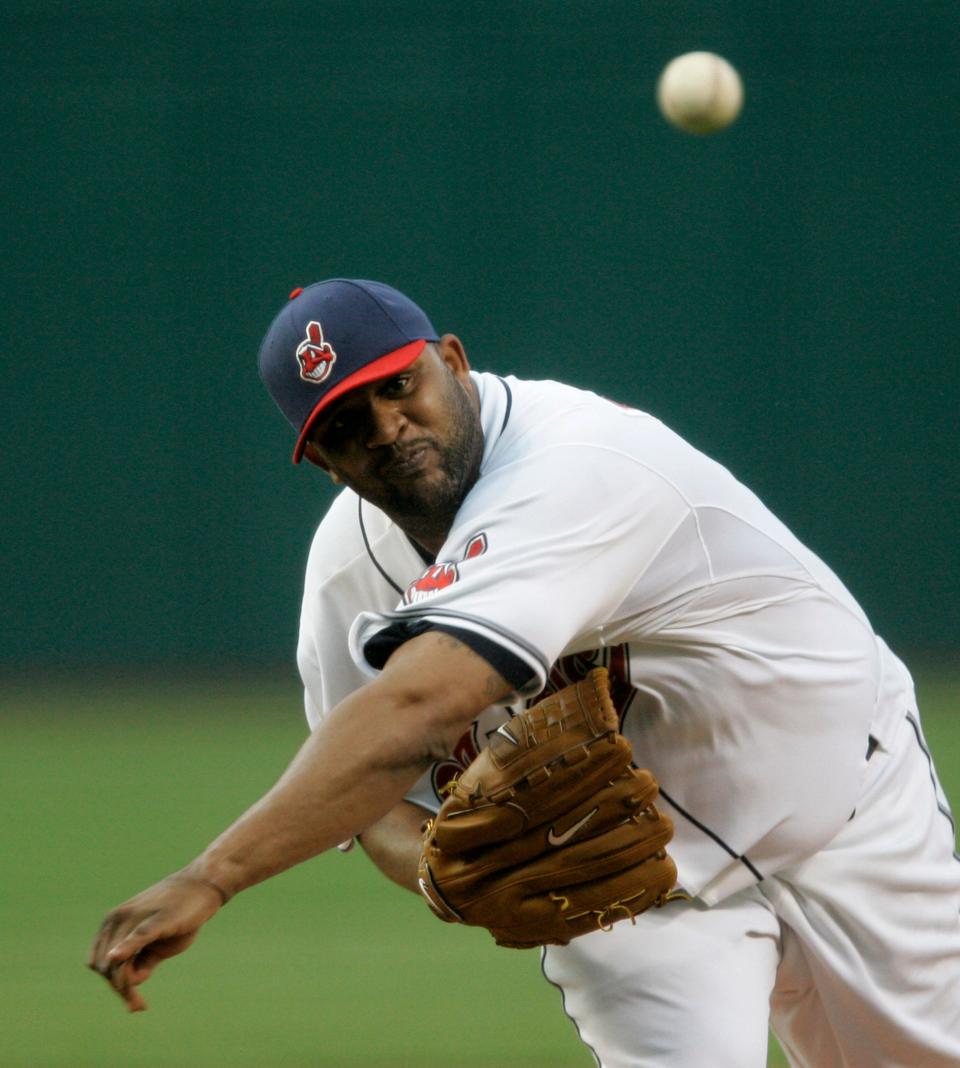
<point x="378" y="649"/>
<point x="366" y="542"/>
<point x="744" y="859"/>
<point x="448" y="613"/>
<point x="628" y="704"/>
<point x="942" y="809"/>
<point x="563" y="1004"/>
<point x="506" y="414"/>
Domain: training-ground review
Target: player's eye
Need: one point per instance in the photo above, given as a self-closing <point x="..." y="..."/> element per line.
<point x="333" y="431"/>
<point x="398" y="385"/>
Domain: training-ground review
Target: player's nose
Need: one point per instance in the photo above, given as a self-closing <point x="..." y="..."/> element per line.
<point x="385" y="423"/>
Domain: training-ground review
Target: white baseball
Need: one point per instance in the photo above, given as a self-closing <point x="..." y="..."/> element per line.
<point x="700" y="93"/>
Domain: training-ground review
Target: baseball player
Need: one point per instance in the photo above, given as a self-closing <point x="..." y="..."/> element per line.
<point x="497" y="539"/>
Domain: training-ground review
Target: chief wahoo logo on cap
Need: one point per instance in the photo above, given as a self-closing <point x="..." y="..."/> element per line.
<point x="315" y="356"/>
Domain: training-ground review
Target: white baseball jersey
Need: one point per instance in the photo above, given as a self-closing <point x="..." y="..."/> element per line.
<point x="783" y="732"/>
<point x="747" y="677"/>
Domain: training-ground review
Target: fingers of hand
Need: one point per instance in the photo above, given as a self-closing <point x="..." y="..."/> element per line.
<point x="123" y="978"/>
<point x="129" y="969"/>
<point x="104" y="941"/>
<point x="133" y="960"/>
<point x="121" y="937"/>
<point x="116" y="960"/>
<point x="133" y="941"/>
<point x="156" y="924"/>
<point x="142" y="966"/>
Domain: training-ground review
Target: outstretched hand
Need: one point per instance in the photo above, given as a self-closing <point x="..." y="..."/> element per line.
<point x="158" y="923"/>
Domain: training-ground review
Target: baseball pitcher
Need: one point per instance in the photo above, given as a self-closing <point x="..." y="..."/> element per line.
<point x="571" y="681"/>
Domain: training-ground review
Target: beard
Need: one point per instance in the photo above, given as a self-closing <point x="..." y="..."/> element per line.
<point x="425" y="506"/>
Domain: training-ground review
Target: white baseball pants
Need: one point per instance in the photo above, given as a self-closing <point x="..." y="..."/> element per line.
<point x="852" y="957"/>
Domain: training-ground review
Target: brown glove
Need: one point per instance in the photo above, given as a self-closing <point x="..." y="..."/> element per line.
<point x="550" y="832"/>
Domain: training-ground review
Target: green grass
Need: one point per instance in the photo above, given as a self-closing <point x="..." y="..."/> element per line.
<point x="108" y="786"/>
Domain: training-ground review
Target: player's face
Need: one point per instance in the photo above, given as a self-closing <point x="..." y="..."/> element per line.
<point x="410" y="444"/>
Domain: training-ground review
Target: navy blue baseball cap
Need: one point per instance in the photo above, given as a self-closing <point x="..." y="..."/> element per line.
<point x="333" y="336"/>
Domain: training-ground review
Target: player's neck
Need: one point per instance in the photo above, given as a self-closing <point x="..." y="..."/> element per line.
<point x="427" y="533"/>
<point x="423" y="552"/>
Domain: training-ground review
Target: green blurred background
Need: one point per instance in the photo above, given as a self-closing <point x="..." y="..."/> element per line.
<point x="784" y="294"/>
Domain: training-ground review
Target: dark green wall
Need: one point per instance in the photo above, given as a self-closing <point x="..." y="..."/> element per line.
<point x="785" y="294"/>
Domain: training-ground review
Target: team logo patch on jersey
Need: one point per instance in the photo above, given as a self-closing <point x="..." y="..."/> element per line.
<point x="315" y="356"/>
<point x="476" y="546"/>
<point x="439" y="576"/>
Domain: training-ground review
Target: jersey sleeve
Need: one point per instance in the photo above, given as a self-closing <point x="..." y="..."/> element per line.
<point x="358" y="561"/>
<point x="544" y="553"/>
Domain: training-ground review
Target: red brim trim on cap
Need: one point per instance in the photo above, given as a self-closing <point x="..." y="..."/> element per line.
<point x="391" y="364"/>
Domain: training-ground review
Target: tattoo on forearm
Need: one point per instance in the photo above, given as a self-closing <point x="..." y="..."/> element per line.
<point x="493" y="685"/>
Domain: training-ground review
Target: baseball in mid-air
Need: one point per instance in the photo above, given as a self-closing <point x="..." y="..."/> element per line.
<point x="700" y="93"/>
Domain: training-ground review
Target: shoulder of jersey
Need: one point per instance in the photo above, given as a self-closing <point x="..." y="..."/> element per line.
<point x="554" y="411"/>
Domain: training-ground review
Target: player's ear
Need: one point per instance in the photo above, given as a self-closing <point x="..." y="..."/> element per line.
<point x="312" y="453"/>
<point x="453" y="354"/>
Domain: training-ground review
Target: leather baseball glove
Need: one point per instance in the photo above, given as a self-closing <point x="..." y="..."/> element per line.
<point x="550" y="833"/>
